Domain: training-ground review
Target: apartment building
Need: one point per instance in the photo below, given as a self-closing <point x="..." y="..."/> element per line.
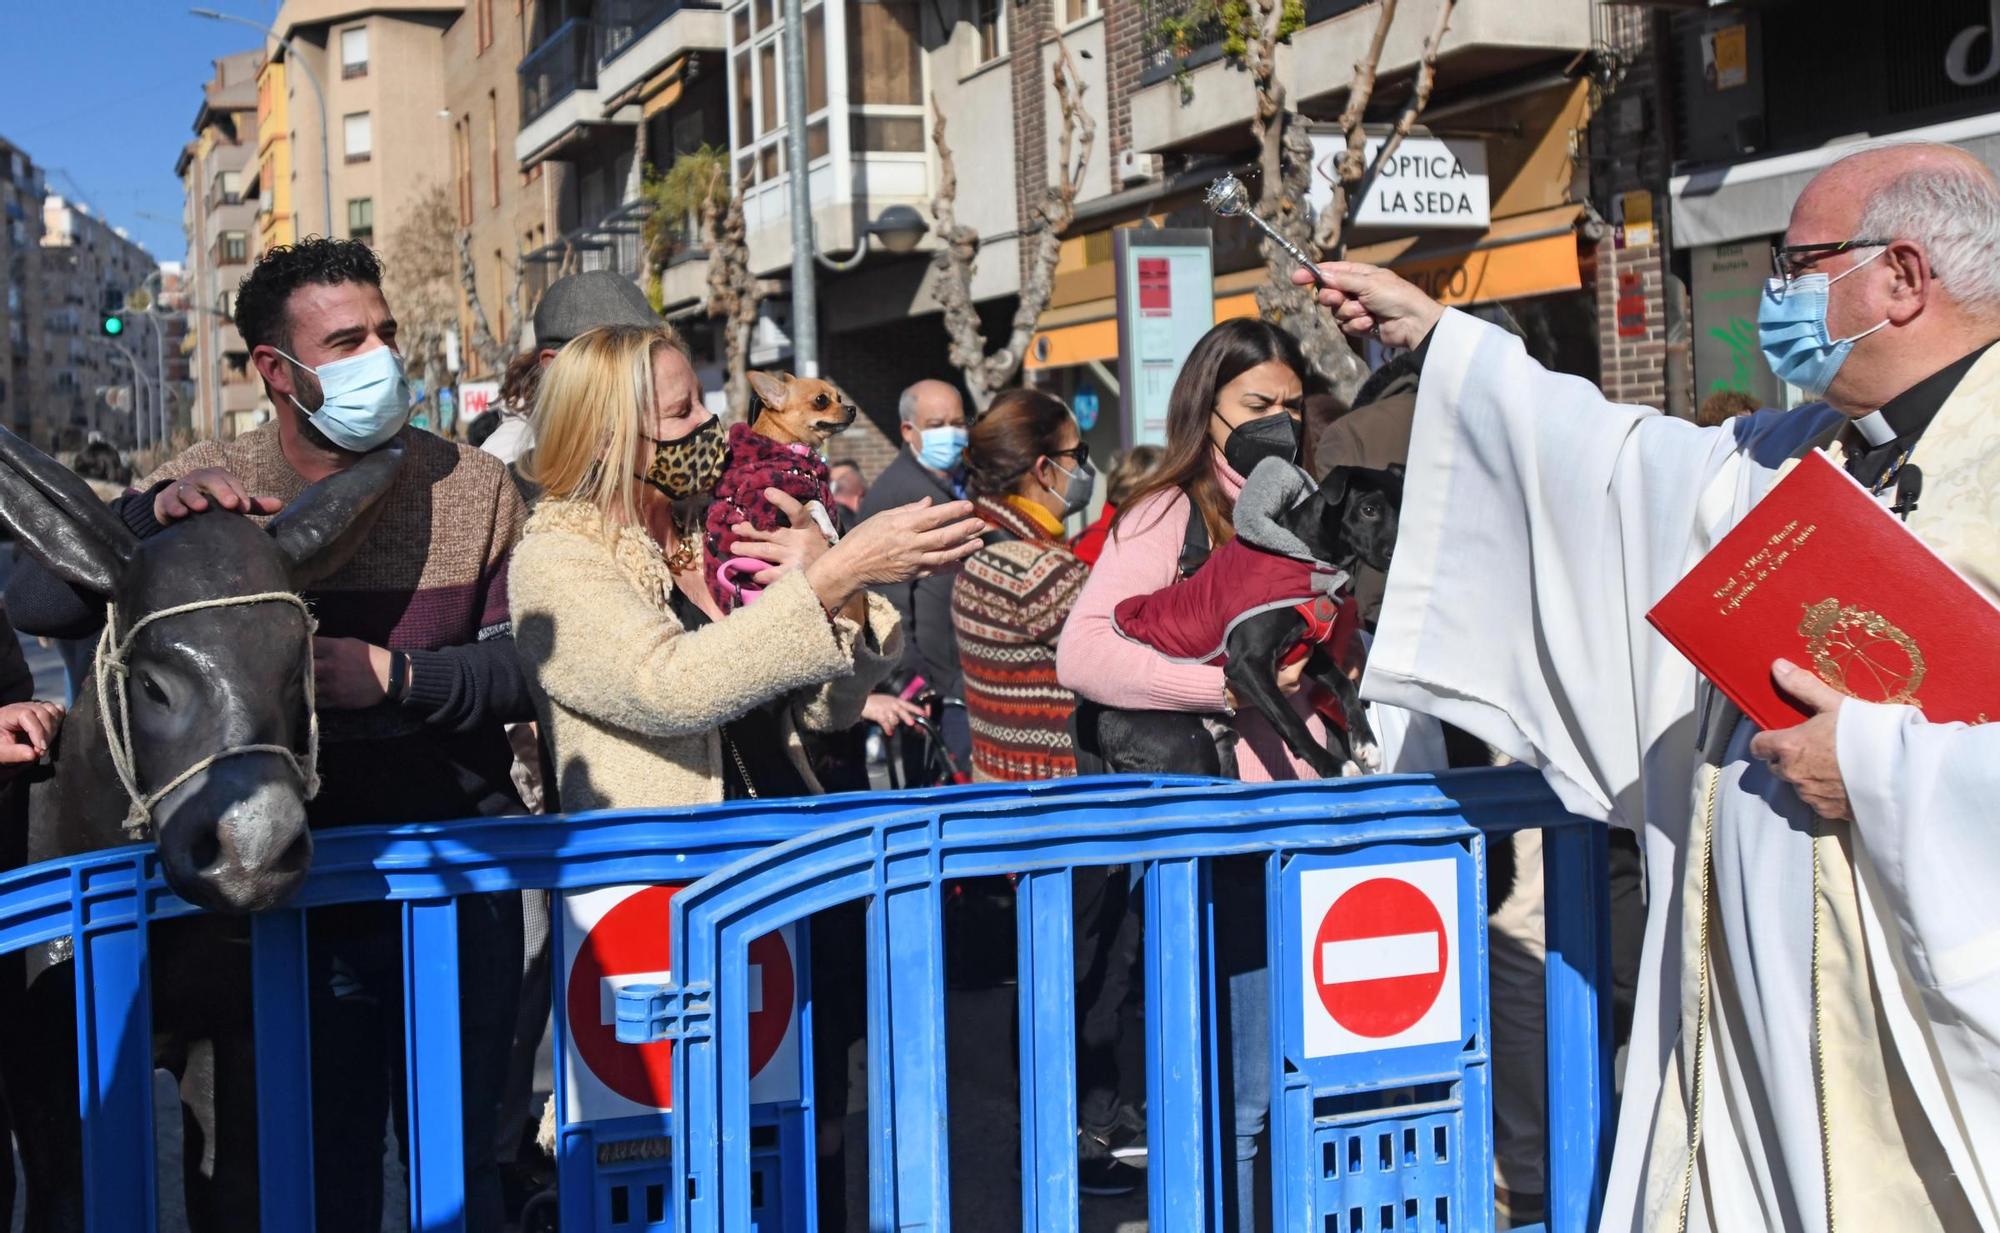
<point x="359" y="99"/>
<point x="87" y="263"/>
<point x="220" y="224"/>
<point x="499" y="201"/>
<point x="274" y="186"/>
<point x="21" y="194"/>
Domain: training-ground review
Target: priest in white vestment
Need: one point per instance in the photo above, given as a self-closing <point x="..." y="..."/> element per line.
<point x="1817" y="1044"/>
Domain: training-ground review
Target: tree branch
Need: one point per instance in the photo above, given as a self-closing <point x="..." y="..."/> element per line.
<point x="1420" y="97"/>
<point x="1352" y="164"/>
<point x="491" y="354"/>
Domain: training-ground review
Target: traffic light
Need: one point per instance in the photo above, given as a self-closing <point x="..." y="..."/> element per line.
<point x="111" y="317"/>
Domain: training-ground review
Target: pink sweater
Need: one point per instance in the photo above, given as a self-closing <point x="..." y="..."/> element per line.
<point x="1141" y="556"/>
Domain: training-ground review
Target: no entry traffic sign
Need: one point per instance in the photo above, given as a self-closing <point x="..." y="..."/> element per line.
<point x="618" y="936"/>
<point x="1380" y="956"/>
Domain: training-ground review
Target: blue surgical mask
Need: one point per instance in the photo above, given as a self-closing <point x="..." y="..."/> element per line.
<point x="1792" y="330"/>
<point x="365" y="399"/>
<point x="941" y="448"/>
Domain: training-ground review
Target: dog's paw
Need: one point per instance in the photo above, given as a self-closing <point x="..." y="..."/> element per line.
<point x="1369" y="755"/>
<point x="1349" y="769"/>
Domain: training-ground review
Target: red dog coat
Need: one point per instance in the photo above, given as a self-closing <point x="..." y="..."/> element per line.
<point x="753" y="464"/>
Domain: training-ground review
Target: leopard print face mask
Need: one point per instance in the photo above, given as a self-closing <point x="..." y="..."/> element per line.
<point x="690" y="466"/>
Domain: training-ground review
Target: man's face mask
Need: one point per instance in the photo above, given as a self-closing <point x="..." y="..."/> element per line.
<point x="1792" y="330"/>
<point x="941" y="448"/>
<point x="364" y="399"/>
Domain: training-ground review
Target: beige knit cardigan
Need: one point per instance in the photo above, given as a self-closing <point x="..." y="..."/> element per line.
<point x="631" y="703"/>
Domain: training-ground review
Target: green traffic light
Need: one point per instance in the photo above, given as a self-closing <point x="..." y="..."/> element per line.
<point x="114" y="326"/>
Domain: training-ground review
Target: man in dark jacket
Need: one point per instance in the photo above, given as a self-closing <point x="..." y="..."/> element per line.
<point x="933" y="419"/>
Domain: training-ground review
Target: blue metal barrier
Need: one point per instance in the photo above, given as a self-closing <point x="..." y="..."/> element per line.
<point x="104" y="903"/>
<point x="1386" y="1139"/>
<point x="756" y="867"/>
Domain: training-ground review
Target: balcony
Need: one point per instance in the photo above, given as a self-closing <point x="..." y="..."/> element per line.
<point x="636" y="38"/>
<point x="1190" y="97"/>
<point x="557" y="69"/>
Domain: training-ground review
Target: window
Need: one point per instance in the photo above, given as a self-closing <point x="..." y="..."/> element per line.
<point x="228" y="187"/>
<point x="225" y="303"/>
<point x="885" y="75"/>
<point x="756" y="98"/>
<point x="359" y="136"/>
<point x="493" y="147"/>
<point x="990" y="20"/>
<point x="361" y="219"/>
<point x="354" y="52"/>
<point x="235" y="248"/>
<point x="484" y="13"/>
<point x="1076" y="10"/>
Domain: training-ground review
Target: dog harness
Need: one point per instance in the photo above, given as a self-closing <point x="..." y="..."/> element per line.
<point x="1190" y="622"/>
<point x="113" y="667"/>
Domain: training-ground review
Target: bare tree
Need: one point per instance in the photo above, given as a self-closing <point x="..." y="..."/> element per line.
<point x="420" y="276"/>
<point x="493" y="352"/>
<point x="986" y="374"/>
<point x="1285" y="160"/>
<point x="734" y="290"/>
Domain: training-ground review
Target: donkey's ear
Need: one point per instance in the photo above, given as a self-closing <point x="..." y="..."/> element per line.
<point x="319" y="531"/>
<point x="53" y="514"/>
<point x="771" y="387"/>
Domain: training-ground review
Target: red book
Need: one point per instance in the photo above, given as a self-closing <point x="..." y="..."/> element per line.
<point x="1821" y="574"/>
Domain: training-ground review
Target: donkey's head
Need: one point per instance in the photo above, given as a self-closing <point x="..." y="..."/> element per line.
<point x="200" y="699"/>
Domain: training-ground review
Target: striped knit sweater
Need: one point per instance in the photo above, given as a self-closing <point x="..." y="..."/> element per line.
<point x="1008" y="607"/>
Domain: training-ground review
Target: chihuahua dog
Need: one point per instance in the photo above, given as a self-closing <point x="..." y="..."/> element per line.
<point x="1263" y="600"/>
<point x="781" y="447"/>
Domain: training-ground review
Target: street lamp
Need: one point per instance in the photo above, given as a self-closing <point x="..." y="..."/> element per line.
<point x="898" y="229"/>
<point x="319" y="96"/>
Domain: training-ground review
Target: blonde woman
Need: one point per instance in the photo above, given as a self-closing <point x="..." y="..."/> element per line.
<point x="649" y="696"/>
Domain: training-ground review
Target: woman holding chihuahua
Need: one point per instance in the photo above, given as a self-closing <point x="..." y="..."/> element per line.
<point x="648" y="694"/>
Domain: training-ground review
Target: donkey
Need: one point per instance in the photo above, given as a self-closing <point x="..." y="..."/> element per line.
<point x="196" y="731"/>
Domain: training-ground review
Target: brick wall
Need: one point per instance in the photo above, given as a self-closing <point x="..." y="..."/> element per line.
<point x="1629" y="154"/>
<point x="874" y="366"/>
<point x="1123" y="22"/>
<point x="1028" y="25"/>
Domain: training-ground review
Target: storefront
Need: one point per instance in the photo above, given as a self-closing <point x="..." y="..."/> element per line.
<point x="1485" y="212"/>
<point x="1765" y="98"/>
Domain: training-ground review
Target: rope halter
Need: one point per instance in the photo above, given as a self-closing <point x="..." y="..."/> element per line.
<point x="113" y="670"/>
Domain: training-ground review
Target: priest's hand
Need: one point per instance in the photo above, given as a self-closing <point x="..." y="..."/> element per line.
<point x="1805" y="756"/>
<point x="1367" y="299"/>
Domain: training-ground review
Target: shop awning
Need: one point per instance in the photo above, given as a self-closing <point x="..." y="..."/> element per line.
<point x="1754" y="199"/>
<point x="1529" y="254"/>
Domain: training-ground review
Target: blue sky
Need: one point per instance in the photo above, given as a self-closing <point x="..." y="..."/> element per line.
<point x="107" y="90"/>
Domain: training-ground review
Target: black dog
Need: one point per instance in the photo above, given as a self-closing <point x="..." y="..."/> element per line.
<point x="1350" y="517"/>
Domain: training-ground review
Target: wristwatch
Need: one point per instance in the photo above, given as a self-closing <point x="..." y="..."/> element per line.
<point x="399" y="676"/>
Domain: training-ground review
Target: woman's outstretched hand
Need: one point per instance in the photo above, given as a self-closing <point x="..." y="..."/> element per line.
<point x="1367" y="299"/>
<point x="894" y="546"/>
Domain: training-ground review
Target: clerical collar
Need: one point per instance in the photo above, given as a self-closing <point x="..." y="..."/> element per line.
<point x="1874" y="429"/>
<point x="1911" y="412"/>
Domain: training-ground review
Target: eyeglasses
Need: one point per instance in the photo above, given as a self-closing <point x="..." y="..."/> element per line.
<point x="1080" y="455"/>
<point x="1789" y="261"/>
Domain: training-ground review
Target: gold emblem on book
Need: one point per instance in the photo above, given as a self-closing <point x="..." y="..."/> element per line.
<point x="1861" y="654"/>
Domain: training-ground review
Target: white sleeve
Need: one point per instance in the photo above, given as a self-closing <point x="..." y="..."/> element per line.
<point x="1539" y="523"/>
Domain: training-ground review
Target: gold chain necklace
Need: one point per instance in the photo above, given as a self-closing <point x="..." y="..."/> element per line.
<point x="687" y="549"/>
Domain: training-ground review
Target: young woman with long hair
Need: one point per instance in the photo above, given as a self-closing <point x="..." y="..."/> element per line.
<point x="1238" y="400"/>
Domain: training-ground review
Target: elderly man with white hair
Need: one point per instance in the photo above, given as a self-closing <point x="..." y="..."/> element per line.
<point x="1817" y="1043"/>
<point x="934" y="436"/>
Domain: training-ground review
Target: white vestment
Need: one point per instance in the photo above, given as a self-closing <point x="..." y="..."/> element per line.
<point x="1540" y="524"/>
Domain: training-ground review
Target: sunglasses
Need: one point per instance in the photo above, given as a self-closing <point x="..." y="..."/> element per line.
<point x="1080" y="455"/>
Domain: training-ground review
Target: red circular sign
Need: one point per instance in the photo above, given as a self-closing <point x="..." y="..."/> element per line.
<point x="1385" y="920"/>
<point x="632" y="938"/>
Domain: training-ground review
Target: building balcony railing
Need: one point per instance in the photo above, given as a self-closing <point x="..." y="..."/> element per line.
<point x="562" y="65"/>
<point x="1186" y="34"/>
<point x="621" y="23"/>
